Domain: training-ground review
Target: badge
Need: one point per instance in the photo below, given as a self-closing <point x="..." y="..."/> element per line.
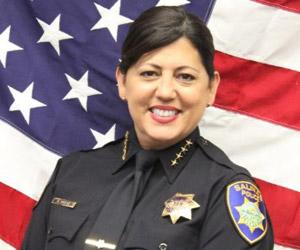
<point x="180" y="205"/>
<point x="63" y="202"/>
<point x="247" y="210"/>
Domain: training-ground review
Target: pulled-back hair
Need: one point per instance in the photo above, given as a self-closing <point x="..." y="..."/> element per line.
<point x="160" y="26"/>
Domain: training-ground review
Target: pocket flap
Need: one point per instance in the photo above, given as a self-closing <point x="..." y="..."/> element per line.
<point x="65" y="222"/>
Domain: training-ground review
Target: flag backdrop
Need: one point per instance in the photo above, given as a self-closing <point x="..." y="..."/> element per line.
<point x="58" y="94"/>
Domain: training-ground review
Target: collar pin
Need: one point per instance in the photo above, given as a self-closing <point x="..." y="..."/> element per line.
<point x="182" y="152"/>
<point x="125" y="146"/>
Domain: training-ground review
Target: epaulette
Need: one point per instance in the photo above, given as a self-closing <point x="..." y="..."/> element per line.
<point x="217" y="155"/>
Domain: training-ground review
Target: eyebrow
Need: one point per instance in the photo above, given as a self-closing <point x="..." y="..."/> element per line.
<point x="179" y="68"/>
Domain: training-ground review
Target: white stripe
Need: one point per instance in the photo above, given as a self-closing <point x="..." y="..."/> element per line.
<point x="277" y="247"/>
<point x="24" y="164"/>
<point x="5" y="246"/>
<point x="270" y="152"/>
<point x="258" y="32"/>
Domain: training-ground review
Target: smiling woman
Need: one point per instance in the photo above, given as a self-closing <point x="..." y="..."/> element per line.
<point x="162" y="186"/>
<point x="167" y="91"/>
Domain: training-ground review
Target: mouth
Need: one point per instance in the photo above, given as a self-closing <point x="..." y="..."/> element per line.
<point x="164" y="114"/>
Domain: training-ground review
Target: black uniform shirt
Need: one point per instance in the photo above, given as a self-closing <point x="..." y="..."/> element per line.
<point x="200" y="170"/>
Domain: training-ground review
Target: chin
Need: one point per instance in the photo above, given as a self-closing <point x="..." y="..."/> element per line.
<point x="164" y="139"/>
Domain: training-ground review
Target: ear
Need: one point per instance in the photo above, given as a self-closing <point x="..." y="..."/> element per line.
<point x="121" y="83"/>
<point x="214" y="87"/>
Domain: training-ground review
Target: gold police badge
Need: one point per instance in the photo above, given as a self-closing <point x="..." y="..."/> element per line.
<point x="180" y="205"/>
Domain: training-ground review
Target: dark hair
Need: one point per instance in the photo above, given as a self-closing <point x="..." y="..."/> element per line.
<point x="160" y="26"/>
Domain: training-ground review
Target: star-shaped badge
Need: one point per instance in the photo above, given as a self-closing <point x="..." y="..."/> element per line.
<point x="250" y="215"/>
<point x="180" y="205"/>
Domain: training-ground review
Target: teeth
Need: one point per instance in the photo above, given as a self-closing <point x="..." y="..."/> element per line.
<point x="164" y="113"/>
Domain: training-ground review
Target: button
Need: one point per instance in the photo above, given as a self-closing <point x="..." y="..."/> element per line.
<point x="50" y="230"/>
<point x="163" y="246"/>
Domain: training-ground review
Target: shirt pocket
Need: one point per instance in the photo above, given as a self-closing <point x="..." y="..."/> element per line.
<point x="64" y="223"/>
<point x="143" y="236"/>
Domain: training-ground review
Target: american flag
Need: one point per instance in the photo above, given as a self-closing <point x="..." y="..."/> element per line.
<point x="58" y="94"/>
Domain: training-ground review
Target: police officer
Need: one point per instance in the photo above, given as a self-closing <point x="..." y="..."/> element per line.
<point x="162" y="186"/>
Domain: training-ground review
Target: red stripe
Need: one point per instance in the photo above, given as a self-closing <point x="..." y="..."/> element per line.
<point x="290" y="5"/>
<point x="15" y="210"/>
<point x="284" y="208"/>
<point x="259" y="90"/>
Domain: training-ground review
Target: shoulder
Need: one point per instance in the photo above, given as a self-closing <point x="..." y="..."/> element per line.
<point x="83" y="158"/>
<point x="234" y="176"/>
<point x="214" y="154"/>
<point x="243" y="198"/>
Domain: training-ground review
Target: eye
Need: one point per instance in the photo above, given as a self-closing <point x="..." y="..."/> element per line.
<point x="186" y="77"/>
<point x="149" y="74"/>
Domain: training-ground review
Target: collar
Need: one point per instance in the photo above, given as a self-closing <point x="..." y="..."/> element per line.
<point x="173" y="159"/>
<point x="130" y="146"/>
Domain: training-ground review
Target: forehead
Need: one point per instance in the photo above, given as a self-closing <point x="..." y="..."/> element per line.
<point x="180" y="52"/>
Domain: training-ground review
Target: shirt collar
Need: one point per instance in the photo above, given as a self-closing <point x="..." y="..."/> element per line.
<point x="175" y="158"/>
<point x="130" y="146"/>
<point x="172" y="159"/>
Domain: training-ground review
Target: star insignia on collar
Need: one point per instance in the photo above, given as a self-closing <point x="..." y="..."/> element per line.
<point x="180" y="205"/>
<point x="174" y="162"/>
<point x="179" y="155"/>
<point x="125" y="146"/>
<point x="189" y="142"/>
<point x="183" y="150"/>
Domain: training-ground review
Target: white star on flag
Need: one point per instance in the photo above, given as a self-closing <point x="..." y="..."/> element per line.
<point x="172" y="2"/>
<point x="103" y="139"/>
<point x="111" y="19"/>
<point x="52" y="33"/>
<point x="80" y="90"/>
<point x="24" y="102"/>
<point x="6" y="45"/>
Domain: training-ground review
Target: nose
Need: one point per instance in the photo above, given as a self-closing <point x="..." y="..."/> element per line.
<point x="166" y="88"/>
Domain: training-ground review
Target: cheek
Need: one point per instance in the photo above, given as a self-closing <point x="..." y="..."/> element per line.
<point x="137" y="101"/>
<point x="195" y="98"/>
<point x="139" y="92"/>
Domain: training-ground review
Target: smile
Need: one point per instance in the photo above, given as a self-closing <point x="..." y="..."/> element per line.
<point x="164" y="114"/>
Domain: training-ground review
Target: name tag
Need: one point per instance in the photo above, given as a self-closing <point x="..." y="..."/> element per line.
<point x="63" y="202"/>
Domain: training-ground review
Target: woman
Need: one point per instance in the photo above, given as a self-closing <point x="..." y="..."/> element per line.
<point x="186" y="194"/>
